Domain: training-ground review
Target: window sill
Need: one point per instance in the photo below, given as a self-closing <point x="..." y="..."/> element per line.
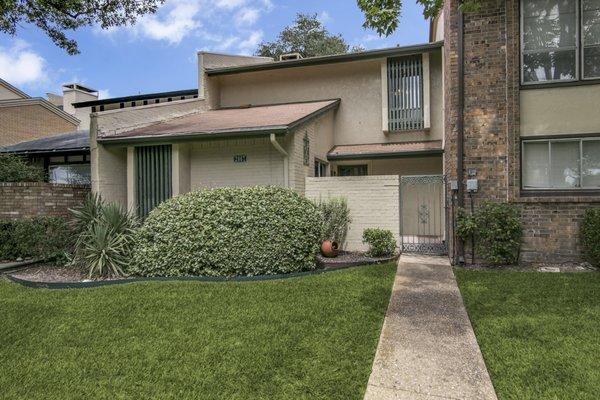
<point x="425" y="131"/>
<point x="550" y="85"/>
<point x="559" y="196"/>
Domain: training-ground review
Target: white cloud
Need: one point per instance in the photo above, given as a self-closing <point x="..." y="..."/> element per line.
<point x="172" y="23"/>
<point x="247" y="16"/>
<point x="19" y="65"/>
<point x="230" y="4"/>
<point x="324" y="17"/>
<point x="248" y="45"/>
<point x="103" y="94"/>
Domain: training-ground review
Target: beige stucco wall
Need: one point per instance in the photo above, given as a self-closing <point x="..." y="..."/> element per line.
<point x="358" y="84"/>
<point x="366" y="209"/>
<point x="212" y="165"/>
<point x="560" y="110"/>
<point x="7" y="94"/>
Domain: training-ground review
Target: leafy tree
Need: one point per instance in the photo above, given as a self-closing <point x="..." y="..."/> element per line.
<point x="54" y="17"/>
<point x="306" y="36"/>
<point x="383" y="15"/>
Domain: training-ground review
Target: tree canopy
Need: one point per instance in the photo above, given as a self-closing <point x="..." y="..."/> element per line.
<point x="306" y="36"/>
<point x="384" y="15"/>
<point x="54" y="17"/>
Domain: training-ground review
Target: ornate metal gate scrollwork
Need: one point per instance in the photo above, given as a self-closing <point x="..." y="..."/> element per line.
<point x="422" y="216"/>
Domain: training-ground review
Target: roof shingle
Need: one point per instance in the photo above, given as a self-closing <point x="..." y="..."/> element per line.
<point x="374" y="150"/>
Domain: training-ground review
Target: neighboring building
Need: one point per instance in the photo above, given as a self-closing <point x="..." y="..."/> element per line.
<point x="503" y="101"/>
<point x="59" y="127"/>
<point x="24" y="118"/>
<point x="64" y="157"/>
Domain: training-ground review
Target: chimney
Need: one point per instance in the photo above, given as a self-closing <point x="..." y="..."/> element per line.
<point x="290" y="57"/>
<point x="75" y="93"/>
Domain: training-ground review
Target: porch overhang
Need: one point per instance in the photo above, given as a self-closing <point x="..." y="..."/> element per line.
<point x="430" y="148"/>
<point x="224" y="123"/>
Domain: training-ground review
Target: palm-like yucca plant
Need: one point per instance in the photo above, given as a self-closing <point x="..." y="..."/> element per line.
<point x="105" y="241"/>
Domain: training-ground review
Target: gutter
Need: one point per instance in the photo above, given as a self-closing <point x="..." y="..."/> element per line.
<point x="286" y="159"/>
<point x="460" y="126"/>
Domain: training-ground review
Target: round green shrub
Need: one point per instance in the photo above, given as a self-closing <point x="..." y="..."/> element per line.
<point x="228" y="232"/>
<point x="381" y="242"/>
<point x="590" y="235"/>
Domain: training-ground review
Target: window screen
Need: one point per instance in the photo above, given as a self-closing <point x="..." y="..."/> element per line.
<point x="405" y="93"/>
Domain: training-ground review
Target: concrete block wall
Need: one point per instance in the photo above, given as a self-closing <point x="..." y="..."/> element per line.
<point x="31" y="199"/>
<point x="373" y="202"/>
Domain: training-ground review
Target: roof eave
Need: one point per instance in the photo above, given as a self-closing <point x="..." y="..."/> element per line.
<point x="49" y="151"/>
<point x="227" y="134"/>
<point x="396" y="154"/>
<point x="366" y="55"/>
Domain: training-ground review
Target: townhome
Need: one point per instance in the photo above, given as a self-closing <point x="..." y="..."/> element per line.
<point x="501" y="105"/>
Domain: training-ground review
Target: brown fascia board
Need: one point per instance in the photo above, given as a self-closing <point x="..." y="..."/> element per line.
<point x="223" y="133"/>
<point x="42" y="102"/>
<point x="304" y="62"/>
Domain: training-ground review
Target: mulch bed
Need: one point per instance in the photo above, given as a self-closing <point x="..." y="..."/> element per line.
<point x="348" y="258"/>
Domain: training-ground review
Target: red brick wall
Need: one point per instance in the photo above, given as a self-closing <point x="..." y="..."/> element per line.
<point x="491" y="128"/>
<point x="30" y="199"/>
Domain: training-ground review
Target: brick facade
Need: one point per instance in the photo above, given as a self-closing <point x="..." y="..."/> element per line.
<point x="491" y="128"/>
<point x="31" y="199"/>
<point x="20" y="123"/>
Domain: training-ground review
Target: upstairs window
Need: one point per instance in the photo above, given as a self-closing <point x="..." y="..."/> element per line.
<point x="405" y="93"/>
<point x="560" y="40"/>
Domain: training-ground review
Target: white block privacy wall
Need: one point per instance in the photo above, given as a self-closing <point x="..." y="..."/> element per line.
<point x="373" y="203"/>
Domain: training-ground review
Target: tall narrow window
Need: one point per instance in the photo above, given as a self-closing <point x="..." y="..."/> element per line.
<point x="405" y="93"/>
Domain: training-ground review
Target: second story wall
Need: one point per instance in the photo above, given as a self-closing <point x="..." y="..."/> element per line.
<point x="358" y="84"/>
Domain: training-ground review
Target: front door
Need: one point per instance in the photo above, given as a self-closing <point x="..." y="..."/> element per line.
<point x="153" y="177"/>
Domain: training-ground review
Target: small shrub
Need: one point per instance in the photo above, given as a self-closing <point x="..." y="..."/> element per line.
<point x="14" y="169"/>
<point x="590" y="235"/>
<point x="105" y="242"/>
<point x="496" y="228"/>
<point x="336" y="218"/>
<point x="381" y="242"/>
<point x="227" y="232"/>
<point x="45" y="237"/>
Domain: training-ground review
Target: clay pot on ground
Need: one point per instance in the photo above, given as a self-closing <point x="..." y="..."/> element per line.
<point x="329" y="248"/>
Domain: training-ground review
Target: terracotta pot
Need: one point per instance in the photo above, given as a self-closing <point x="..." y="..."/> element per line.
<point x="329" y="248"/>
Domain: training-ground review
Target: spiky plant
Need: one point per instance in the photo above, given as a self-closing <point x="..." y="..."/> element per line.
<point x="105" y="243"/>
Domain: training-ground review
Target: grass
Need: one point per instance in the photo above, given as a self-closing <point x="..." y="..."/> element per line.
<point x="539" y="333"/>
<point x="303" y="338"/>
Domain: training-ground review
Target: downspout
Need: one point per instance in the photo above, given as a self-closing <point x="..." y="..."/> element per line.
<point x="286" y="159"/>
<point x="460" y="127"/>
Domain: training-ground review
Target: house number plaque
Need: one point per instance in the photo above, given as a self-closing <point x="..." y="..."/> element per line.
<point x="240" y="158"/>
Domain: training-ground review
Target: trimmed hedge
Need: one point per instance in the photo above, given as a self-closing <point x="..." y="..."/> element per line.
<point x="39" y="237"/>
<point x="229" y="232"/>
<point x="590" y="235"/>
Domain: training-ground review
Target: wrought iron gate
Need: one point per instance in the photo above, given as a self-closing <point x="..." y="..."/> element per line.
<point x="422" y="214"/>
<point x="153" y="180"/>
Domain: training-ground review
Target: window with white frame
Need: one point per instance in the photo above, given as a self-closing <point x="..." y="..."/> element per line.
<point x="320" y="168"/>
<point x="560" y="40"/>
<point x="405" y="93"/>
<point x="561" y="164"/>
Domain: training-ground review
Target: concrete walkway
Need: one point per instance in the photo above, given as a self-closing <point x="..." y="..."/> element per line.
<point x="427" y="348"/>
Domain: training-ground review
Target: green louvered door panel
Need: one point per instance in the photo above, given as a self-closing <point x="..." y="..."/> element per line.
<point x="153" y="180"/>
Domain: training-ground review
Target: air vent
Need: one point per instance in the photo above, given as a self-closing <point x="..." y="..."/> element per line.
<point x="290" y="57"/>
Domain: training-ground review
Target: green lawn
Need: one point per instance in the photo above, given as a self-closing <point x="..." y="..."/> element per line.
<point x="539" y="332"/>
<point x="303" y="338"/>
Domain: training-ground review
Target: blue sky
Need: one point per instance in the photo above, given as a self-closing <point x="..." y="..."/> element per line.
<point x="159" y="53"/>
